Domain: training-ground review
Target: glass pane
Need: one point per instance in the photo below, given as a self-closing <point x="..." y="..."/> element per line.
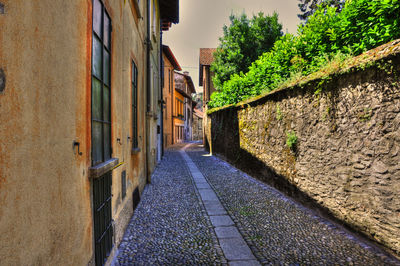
<point x="97" y="57"/>
<point x="106" y="68"/>
<point x="133" y="72"/>
<point x="97" y="17"/>
<point x="106" y="104"/>
<point x="96" y="99"/>
<point x="136" y="76"/>
<point x="107" y="142"/>
<point x="107" y="31"/>
<point x="97" y="142"/>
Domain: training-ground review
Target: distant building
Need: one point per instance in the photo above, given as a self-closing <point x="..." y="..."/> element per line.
<point x="205" y="74"/>
<point x="205" y="79"/>
<point x="184" y="88"/>
<point x="197" y="124"/>
<point x="170" y="65"/>
<point x="198" y="98"/>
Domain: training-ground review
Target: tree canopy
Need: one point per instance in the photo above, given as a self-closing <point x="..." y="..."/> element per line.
<point x="308" y="7"/>
<point x="242" y="43"/>
<point x="327" y="35"/>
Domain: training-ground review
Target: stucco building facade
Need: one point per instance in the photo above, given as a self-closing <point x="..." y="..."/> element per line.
<point x="80" y="108"/>
<point x="184" y="88"/>
<point x="170" y="65"/>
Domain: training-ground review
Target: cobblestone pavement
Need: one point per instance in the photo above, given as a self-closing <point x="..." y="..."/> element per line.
<point x="278" y="230"/>
<point x="171" y="226"/>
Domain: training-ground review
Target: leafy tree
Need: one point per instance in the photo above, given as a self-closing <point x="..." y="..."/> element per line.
<point x="327" y="35"/>
<point x="242" y="43"/>
<point x="308" y="7"/>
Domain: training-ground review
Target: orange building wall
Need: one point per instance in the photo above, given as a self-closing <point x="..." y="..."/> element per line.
<point x="168" y="91"/>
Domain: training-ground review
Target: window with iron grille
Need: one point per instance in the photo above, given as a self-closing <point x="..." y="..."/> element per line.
<point x="123" y="184"/>
<point x="101" y="84"/>
<point x="134" y="106"/>
<point x="169" y="80"/>
<point x="101" y="130"/>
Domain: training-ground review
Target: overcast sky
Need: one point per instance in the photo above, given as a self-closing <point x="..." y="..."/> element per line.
<point x="201" y="21"/>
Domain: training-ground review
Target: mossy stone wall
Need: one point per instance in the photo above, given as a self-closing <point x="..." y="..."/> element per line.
<point x="346" y="159"/>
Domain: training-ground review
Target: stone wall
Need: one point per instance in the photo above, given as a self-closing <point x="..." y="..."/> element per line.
<point x="346" y="160"/>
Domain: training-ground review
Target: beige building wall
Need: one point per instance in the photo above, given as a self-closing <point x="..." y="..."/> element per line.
<point x="46" y="215"/>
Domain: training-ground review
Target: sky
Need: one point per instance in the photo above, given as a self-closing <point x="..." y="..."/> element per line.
<point x="201" y="21"/>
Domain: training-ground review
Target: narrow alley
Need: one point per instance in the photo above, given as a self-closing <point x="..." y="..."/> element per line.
<point x="199" y="210"/>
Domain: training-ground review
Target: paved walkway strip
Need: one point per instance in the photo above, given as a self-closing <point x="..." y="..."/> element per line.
<point x="278" y="230"/>
<point x="235" y="249"/>
<point x="170" y="225"/>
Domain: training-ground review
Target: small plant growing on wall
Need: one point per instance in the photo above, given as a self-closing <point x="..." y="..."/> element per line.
<point x="291" y="140"/>
<point x="279" y="115"/>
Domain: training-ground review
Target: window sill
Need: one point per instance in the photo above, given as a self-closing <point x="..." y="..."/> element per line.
<point x="135" y="151"/>
<point x="100" y="169"/>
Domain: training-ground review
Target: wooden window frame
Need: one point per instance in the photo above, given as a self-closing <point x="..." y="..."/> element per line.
<point x="134" y="85"/>
<point x="105" y="118"/>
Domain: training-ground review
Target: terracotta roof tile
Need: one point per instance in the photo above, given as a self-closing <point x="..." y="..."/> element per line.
<point x="206" y="56"/>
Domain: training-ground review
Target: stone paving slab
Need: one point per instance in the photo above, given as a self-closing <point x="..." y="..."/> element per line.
<point x="227" y="232"/>
<point x="236" y="249"/>
<point x="208" y="194"/>
<point x="215" y="209"/>
<point x="203" y="185"/>
<point x="221" y="220"/>
<point x="244" y="263"/>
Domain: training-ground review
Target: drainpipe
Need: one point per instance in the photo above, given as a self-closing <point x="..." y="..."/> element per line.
<point x="161" y="94"/>
<point x="147" y="42"/>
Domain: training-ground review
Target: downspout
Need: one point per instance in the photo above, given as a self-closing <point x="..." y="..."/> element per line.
<point x="161" y="94"/>
<point x="147" y="42"/>
<point x="172" y="79"/>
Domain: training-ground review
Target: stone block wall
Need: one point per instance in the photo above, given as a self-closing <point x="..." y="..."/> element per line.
<point x="346" y="160"/>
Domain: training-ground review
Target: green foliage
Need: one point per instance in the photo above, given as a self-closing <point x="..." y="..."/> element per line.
<point x="279" y="115"/>
<point x="308" y="7"/>
<point x="242" y="43"/>
<point x="326" y="37"/>
<point x="291" y="140"/>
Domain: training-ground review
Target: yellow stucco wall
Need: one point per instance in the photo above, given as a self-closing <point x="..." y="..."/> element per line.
<point x="45" y="212"/>
<point x="45" y="190"/>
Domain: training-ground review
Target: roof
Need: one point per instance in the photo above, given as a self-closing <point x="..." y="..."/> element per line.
<point x="206" y="58"/>
<point x="189" y="81"/>
<point x="168" y="53"/>
<point x="169" y="11"/>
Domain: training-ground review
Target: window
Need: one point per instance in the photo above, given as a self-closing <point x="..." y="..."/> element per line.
<point x="101" y="84"/>
<point x="135" y="142"/>
<point x="179" y="108"/>
<point x="169" y="80"/>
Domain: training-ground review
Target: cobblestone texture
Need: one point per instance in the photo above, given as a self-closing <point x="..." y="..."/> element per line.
<point x="279" y="231"/>
<point x="170" y="226"/>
